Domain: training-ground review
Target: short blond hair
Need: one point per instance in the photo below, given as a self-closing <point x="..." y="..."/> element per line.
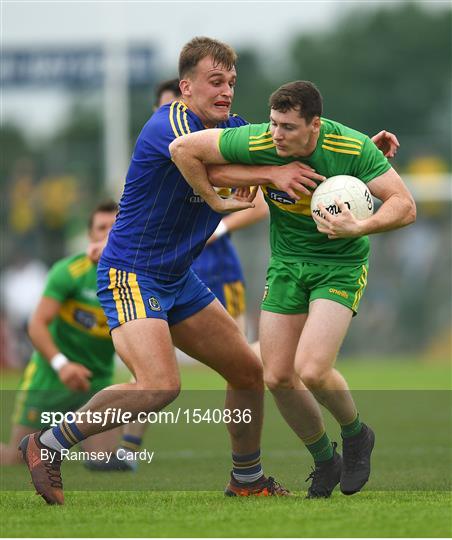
<point x="200" y="47"/>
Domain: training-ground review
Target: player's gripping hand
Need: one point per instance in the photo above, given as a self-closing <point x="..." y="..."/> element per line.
<point x="295" y="178"/>
<point x="343" y="225"/>
<point x="75" y="376"/>
<point x="386" y="142"/>
<point x="240" y="201"/>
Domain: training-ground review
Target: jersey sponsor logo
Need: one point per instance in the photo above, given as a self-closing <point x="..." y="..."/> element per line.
<point x="279" y="196"/>
<point x="85" y="318"/>
<point x="339" y="293"/>
<point x="154" y="304"/>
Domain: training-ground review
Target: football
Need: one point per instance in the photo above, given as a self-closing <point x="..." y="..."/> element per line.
<point x="350" y="190"/>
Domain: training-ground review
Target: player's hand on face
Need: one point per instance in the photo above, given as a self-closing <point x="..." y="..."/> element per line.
<point x="75" y="376"/>
<point x="295" y="178"/>
<point x="386" y="142"/>
<point x="343" y="225"/>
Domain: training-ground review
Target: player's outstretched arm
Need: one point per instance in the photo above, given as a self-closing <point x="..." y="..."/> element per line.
<point x="75" y="376"/>
<point x="190" y="153"/>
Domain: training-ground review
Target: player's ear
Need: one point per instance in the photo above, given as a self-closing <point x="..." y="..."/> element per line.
<point x="185" y="88"/>
<point x="316" y="124"/>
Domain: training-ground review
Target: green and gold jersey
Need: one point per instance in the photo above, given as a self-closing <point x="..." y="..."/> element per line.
<point x="293" y="232"/>
<point x="80" y="330"/>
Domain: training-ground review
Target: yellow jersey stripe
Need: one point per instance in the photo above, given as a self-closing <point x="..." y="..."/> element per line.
<point x="81" y="267"/>
<point x="187" y="127"/>
<point x="262" y="141"/>
<point x="347" y="145"/>
<point x="75" y="265"/>
<point x="334" y="136"/>
<point x="260" y="136"/>
<point x="265" y="147"/>
<point x="339" y="151"/>
<point x="171" y="118"/>
<point x="123" y="294"/>
<point x="179" y="121"/>
<point x="136" y="295"/>
<point x="113" y="285"/>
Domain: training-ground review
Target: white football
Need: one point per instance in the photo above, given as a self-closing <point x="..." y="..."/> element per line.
<point x="350" y="190"/>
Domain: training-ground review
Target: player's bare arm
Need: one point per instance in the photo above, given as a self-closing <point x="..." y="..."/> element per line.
<point x="192" y="152"/>
<point x="73" y="375"/>
<point x="398" y="210"/>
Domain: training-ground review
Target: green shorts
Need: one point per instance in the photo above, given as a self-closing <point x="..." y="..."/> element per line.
<point x="291" y="286"/>
<point x="41" y="390"/>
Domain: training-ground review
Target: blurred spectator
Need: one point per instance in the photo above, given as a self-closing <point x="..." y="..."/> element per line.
<point x="21" y="287"/>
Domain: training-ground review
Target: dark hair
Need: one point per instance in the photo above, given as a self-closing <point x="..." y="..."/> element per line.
<point x="105" y="206"/>
<point x="171" y="85"/>
<point x="200" y="47"/>
<point x="302" y="96"/>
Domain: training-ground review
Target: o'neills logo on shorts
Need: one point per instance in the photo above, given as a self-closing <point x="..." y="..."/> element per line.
<point x="265" y="293"/>
<point x="339" y="293"/>
<point x="154" y="304"/>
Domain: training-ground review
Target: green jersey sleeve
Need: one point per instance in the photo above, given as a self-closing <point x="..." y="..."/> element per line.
<point x="238" y="144"/>
<point x="372" y="162"/>
<point x="60" y="283"/>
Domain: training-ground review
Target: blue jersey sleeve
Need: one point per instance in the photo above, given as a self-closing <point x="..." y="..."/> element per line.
<point x="234" y="121"/>
<point x="166" y="124"/>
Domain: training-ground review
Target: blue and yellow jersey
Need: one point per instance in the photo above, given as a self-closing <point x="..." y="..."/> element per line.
<point x="80" y="329"/>
<point x="162" y="224"/>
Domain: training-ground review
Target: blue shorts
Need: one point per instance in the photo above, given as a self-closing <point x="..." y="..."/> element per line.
<point x="125" y="296"/>
<point x="231" y="295"/>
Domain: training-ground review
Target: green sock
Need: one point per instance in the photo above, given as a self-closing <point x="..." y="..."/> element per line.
<point x="349" y="430"/>
<point x="321" y="449"/>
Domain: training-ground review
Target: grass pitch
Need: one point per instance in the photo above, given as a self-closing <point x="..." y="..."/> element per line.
<point x="179" y="495"/>
<point x="205" y="514"/>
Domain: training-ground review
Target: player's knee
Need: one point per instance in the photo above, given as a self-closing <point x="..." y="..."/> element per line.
<point x="250" y="376"/>
<point x="313" y="376"/>
<point x="276" y="380"/>
<point x="153" y="397"/>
